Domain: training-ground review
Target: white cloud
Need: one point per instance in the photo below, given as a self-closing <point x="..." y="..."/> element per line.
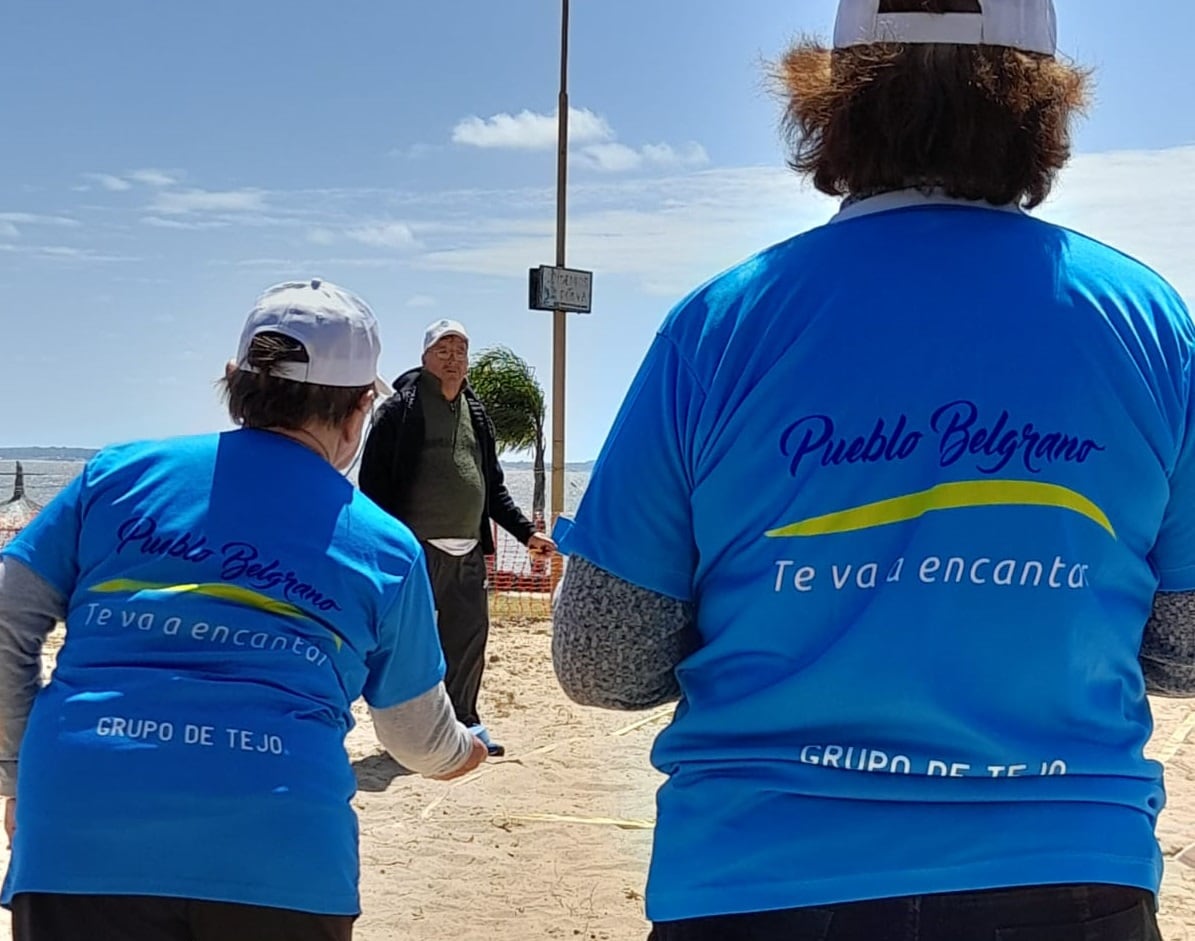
<point x="277" y="263"/>
<point x="691" y="155"/>
<point x="656" y="231"/>
<point x="662" y="232"/>
<point x="62" y="251"/>
<point x="195" y="200"/>
<point x="113" y="184"/>
<point x="33" y="218"/>
<point x="373" y="234"/>
<point x="65" y="253"/>
<point x="151" y="177"/>
<point x="618" y="158"/>
<point x="421" y="301"/>
<point x="384" y="235"/>
<point x="591" y="139"/>
<point x="159" y="223"/>
<point x="530" y="130"/>
<point x="357" y="262"/>
<point x="669" y="234"/>
<point x="612" y="157"/>
<point x="299" y="268"/>
<point x="9" y="231"/>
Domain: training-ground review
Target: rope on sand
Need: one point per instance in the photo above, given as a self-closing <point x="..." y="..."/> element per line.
<point x="488" y="768"/>
<point x="622" y="824"/>
<point x="1174" y="744"/>
<point x="664" y="713"/>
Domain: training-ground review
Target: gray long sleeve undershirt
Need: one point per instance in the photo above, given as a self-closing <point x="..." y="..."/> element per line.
<point x="29" y="608"/>
<point x="1168" y="649"/>
<point x="617" y="646"/>
<point x="422" y="734"/>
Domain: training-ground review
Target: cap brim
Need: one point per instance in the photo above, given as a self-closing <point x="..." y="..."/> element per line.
<point x="382" y="388"/>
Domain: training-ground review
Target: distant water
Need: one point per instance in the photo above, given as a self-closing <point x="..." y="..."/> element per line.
<point x="44" y="479"/>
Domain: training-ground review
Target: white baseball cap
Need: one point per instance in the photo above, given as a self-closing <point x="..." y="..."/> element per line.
<point x="443" y="328"/>
<point x="1027" y="25"/>
<point x="337" y="329"/>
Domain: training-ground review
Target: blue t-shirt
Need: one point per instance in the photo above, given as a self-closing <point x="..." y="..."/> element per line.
<point x="229" y="598"/>
<point x="921" y="472"/>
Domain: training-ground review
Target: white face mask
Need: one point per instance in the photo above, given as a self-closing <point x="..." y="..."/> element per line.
<point x="366" y="429"/>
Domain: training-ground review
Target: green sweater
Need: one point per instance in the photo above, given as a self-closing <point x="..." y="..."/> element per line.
<point x="447" y="496"/>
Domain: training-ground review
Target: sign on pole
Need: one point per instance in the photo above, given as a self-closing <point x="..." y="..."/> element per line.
<point x="564" y="289"/>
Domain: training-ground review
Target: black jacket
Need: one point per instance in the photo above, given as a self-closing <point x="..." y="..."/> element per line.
<point x="395" y="445"/>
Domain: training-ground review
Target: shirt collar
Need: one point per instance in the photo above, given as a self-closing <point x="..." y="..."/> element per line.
<point x="858" y="207"/>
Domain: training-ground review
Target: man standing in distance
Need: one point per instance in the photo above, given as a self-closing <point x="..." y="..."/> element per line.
<point x="432" y="462"/>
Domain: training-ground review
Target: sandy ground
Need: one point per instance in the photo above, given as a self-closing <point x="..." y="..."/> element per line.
<point x="553" y="841"/>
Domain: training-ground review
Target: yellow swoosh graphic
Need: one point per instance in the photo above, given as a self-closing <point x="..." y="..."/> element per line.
<point x="232" y="593"/>
<point x="952" y="496"/>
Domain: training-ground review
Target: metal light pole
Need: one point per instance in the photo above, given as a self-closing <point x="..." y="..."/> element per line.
<point x="559" y="317"/>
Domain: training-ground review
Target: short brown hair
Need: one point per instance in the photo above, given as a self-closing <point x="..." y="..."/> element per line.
<point x="258" y="399"/>
<point x="979" y="122"/>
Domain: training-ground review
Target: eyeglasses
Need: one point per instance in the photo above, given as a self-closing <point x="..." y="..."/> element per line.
<point x="450" y="352"/>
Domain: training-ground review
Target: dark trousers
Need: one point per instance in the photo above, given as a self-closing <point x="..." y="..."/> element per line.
<point x="463" y="616"/>
<point x="1047" y="913"/>
<point x="40" y="917"/>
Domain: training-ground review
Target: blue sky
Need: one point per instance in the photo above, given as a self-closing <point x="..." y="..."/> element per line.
<point x="165" y="162"/>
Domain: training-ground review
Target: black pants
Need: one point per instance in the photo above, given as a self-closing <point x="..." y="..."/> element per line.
<point x="38" y="917"/>
<point x="1047" y="913"/>
<point x="463" y="616"/>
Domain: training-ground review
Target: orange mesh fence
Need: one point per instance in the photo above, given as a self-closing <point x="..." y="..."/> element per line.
<point x="520" y="585"/>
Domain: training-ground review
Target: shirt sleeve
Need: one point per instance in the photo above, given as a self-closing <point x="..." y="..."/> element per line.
<point x="1173" y="555"/>
<point x="635" y="520"/>
<point x="408" y="660"/>
<point x="49" y="545"/>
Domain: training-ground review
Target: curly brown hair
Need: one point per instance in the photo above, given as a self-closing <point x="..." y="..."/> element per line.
<point x="979" y="122"/>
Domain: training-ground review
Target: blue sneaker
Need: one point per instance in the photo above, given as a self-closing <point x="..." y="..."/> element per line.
<point x="481" y="732"/>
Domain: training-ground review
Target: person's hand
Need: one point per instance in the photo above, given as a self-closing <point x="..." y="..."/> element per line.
<point x="10" y="819"/>
<point x="539" y="545"/>
<point x="477" y="755"/>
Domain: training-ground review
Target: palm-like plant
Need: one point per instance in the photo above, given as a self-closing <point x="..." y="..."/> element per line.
<point x="512" y="396"/>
